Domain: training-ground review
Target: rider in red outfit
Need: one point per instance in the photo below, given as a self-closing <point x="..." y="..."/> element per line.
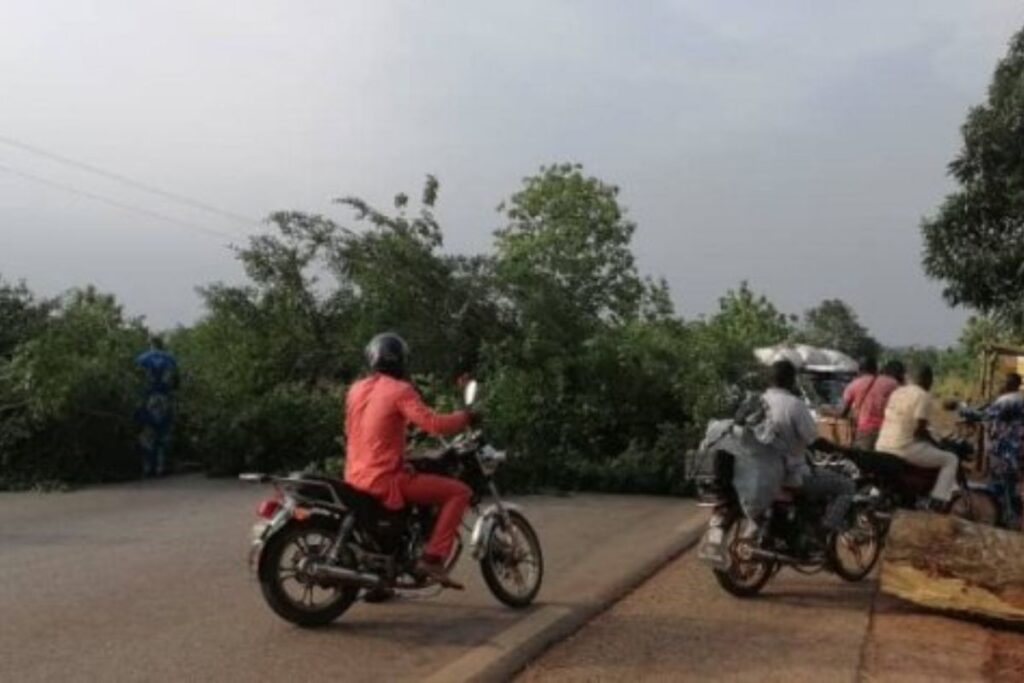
<point x="378" y="408"/>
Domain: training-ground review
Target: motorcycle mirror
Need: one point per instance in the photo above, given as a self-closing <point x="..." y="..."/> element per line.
<point x="470" y="392"/>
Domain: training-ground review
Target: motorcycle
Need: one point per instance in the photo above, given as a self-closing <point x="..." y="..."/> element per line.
<point x="900" y="485"/>
<point x="320" y="543"/>
<point x="997" y="497"/>
<point x="744" y="554"/>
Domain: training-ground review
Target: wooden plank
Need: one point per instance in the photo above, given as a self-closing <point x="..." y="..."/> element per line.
<point x="947" y="563"/>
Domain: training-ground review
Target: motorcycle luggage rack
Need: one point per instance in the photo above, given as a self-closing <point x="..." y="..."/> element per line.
<point x="294" y="485"/>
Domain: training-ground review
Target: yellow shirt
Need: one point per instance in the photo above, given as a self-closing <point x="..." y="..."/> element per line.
<point x="906" y="407"/>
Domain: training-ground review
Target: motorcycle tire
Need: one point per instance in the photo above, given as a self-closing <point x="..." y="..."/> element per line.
<point x="853" y="574"/>
<point x="271" y="584"/>
<point x="975" y="506"/>
<point x="491" y="564"/>
<point x="729" y="578"/>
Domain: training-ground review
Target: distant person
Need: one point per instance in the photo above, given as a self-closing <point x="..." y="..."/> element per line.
<point x="905" y="433"/>
<point x="866" y="397"/>
<point x="156" y="414"/>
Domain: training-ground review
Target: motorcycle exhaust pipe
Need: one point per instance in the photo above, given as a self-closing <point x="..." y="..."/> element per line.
<point x="759" y="554"/>
<point x="350" y="576"/>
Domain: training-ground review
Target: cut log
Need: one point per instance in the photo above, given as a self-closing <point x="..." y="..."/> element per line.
<point x="947" y="563"/>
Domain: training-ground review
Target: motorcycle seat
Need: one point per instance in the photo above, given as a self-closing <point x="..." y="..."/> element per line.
<point x="880" y="464"/>
<point x="358" y="501"/>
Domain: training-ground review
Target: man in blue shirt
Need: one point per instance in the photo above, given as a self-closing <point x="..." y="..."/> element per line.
<point x="156" y="414"/>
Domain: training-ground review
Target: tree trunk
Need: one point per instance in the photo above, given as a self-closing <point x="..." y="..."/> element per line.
<point x="948" y="563"/>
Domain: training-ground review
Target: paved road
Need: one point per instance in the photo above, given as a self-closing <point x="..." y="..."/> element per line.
<point x="147" y="582"/>
<point x="680" y="626"/>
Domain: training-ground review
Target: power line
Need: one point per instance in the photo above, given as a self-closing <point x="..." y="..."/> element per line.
<point x="115" y="203"/>
<point x="146" y="187"/>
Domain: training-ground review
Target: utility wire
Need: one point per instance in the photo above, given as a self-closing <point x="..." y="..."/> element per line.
<point x="110" y="175"/>
<point x="115" y="203"/>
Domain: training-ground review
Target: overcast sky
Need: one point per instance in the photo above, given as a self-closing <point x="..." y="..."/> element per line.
<point x="792" y="144"/>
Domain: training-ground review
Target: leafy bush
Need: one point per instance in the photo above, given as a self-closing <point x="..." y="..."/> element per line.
<point x="590" y="379"/>
<point x="69" y="395"/>
<point x="283" y="429"/>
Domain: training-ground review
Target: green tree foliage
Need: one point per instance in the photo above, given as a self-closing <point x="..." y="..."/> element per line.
<point x="22" y="316"/>
<point x="744" y="321"/>
<point x="69" y="394"/>
<point x="563" y="259"/>
<point x="590" y="378"/>
<point x="974" y="243"/>
<point x="834" y="324"/>
<point x="319" y="290"/>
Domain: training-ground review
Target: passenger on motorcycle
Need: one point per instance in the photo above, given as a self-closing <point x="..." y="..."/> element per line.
<point x="866" y="398"/>
<point x="790" y="429"/>
<point x="905" y="434"/>
<point x="378" y="409"/>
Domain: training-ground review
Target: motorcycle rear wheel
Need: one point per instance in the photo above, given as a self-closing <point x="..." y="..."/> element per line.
<point x="279" y="570"/>
<point x="742" y="578"/>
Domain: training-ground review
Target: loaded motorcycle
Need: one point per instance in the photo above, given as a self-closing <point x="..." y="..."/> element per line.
<point x="745" y="554"/>
<point x="320" y="542"/>
<point x="896" y="484"/>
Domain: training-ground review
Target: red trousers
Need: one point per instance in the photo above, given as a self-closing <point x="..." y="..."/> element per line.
<point x="453" y="497"/>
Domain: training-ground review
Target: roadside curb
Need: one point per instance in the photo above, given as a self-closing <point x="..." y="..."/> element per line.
<point x="509" y="652"/>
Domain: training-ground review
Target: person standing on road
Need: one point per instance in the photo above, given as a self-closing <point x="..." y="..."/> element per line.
<point x="378" y="409"/>
<point x="156" y="414"/>
<point x="905" y="434"/>
<point x="866" y="397"/>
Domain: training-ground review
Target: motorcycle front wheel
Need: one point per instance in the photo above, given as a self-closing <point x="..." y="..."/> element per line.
<point x="743" y="578"/>
<point x="853" y="553"/>
<point x="291" y="593"/>
<point x="512" y="563"/>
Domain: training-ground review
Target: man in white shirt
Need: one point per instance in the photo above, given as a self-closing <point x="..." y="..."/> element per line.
<point x="790" y="429"/>
<point x="905" y="434"/>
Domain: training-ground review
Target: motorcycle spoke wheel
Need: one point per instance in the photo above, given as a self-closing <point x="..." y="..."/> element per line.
<point x="298" y="587"/>
<point x="512" y="565"/>
<point x="743" y="577"/>
<point x="854" y="551"/>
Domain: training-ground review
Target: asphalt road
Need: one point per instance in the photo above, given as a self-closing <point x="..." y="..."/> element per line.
<point x="680" y="626"/>
<point x="148" y="582"/>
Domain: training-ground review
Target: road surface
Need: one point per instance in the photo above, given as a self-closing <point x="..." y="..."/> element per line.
<point x="680" y="626"/>
<point x="148" y="582"/>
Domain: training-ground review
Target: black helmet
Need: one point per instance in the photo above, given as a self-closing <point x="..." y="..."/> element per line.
<point x="387" y="353"/>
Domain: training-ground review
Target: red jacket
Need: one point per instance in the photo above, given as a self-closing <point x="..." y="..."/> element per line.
<point x="378" y="409"/>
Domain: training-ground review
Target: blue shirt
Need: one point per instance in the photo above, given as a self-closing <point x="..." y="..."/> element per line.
<point x="161" y="369"/>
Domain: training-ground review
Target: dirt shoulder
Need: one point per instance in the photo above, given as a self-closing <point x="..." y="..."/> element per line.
<point x="680" y="626"/>
<point x="906" y="645"/>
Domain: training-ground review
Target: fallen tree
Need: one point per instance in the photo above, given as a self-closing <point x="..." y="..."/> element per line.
<point x="947" y="563"/>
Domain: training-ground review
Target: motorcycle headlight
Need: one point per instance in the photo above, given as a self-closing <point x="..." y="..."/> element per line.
<point x="489" y="459"/>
